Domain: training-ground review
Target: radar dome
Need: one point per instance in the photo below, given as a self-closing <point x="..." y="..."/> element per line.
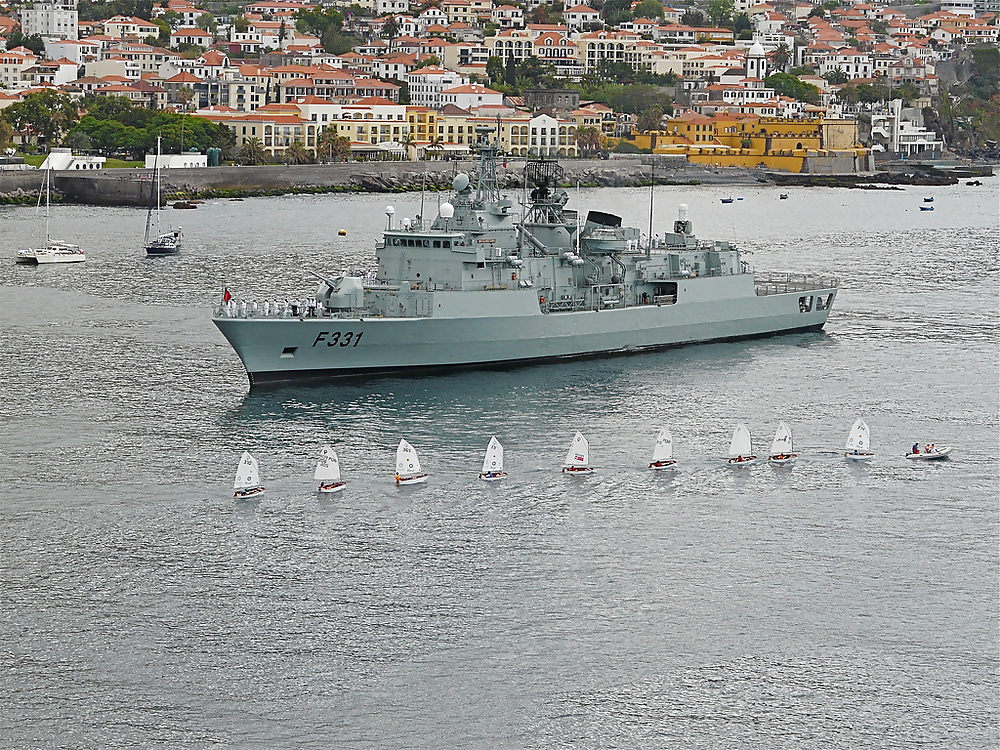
<point x="447" y="210"/>
<point x="460" y="183"/>
<point x="389" y="210"/>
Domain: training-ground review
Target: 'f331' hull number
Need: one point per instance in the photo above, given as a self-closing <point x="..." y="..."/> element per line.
<point x="347" y="338"/>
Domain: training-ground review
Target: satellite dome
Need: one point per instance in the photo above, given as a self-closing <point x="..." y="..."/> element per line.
<point x="447" y="210"/>
<point x="460" y="183"/>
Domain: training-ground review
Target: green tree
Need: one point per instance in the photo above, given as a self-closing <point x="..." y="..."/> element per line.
<point x="45" y="114"/>
<point x="510" y="72"/>
<point x="693" y="18"/>
<point x="34" y="42"/>
<point x="319" y="21"/>
<point x="78" y="141"/>
<point x="649" y="9"/>
<point x="720" y="11"/>
<point x="6" y="134"/>
<point x="495" y="69"/>
<point x="616" y="11"/>
<point x="185" y="95"/>
<point x="535" y="71"/>
<point x="206" y="22"/>
<point x="336" y="43"/>
<point x="742" y="23"/>
<point x="427" y="62"/>
<point x="817" y="12"/>
<point x="785" y="84"/>
<point x="241" y="24"/>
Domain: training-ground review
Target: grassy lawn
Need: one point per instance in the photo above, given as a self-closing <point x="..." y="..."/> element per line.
<point x="36" y="160"/>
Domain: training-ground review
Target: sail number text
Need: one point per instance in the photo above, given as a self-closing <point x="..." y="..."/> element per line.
<point x="347" y="338"/>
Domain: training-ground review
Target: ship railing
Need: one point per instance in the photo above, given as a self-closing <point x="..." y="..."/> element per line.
<point x="786" y="283"/>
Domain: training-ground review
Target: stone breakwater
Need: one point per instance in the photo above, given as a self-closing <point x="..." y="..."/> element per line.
<point x="131" y="187"/>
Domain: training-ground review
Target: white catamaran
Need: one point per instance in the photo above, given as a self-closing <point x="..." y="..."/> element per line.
<point x="493" y="462"/>
<point x="663" y="451"/>
<point x="577" y="461"/>
<point x="740" y="447"/>
<point x="408" y="465"/>
<point x="328" y="471"/>
<point x="247" y="482"/>
<point x="859" y="442"/>
<point x="155" y="242"/>
<point x="781" y="446"/>
<point x="54" y="251"/>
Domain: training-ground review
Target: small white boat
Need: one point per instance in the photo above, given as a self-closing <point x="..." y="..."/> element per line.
<point x="54" y="251"/>
<point x="931" y="453"/>
<point x="408" y="465"/>
<point x="577" y="461"/>
<point x="662" y="451"/>
<point x="328" y="471"/>
<point x="859" y="442"/>
<point x="740" y="447"/>
<point x="781" y="446"/>
<point x="247" y="482"/>
<point x="493" y="462"/>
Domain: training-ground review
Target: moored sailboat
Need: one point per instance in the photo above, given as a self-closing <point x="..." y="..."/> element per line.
<point x="662" y="451"/>
<point x="54" y="251"/>
<point x="247" y="482"/>
<point x="577" y="461"/>
<point x="859" y="442"/>
<point x="408" y="465"/>
<point x="155" y="242"/>
<point x="781" y="446"/>
<point x="740" y="447"/>
<point x="328" y="471"/>
<point x="493" y="462"/>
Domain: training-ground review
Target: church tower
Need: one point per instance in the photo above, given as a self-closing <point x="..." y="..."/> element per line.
<point x="757" y="62"/>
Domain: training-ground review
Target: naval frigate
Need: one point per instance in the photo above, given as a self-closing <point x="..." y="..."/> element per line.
<point x="481" y="286"/>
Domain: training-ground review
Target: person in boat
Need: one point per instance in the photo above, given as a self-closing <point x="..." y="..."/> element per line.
<point x="933" y="448"/>
<point x="916" y="448"/>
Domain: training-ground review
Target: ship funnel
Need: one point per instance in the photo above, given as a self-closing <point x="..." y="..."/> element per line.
<point x="682" y="212"/>
<point x="447" y="210"/>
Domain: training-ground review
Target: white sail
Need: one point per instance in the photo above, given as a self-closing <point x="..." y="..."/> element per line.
<point x="406" y="460"/>
<point x="664" y="448"/>
<point x="247" y="473"/>
<point x="858" y="439"/>
<point x="740" y="445"/>
<point x="782" y="443"/>
<point x="494" y="457"/>
<point x="328" y="468"/>
<point x="579" y="452"/>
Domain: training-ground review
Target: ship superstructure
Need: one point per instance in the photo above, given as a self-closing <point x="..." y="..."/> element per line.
<point x="482" y="286"/>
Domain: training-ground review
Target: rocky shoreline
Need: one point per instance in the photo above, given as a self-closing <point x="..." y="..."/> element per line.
<point x="131" y="187"/>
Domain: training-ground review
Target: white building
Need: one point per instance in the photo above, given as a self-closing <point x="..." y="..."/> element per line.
<point x="57" y="19"/>
<point x="426" y="85"/>
<point x="471" y="95"/>
<point x="176" y="161"/>
<point x="64" y="159"/>
<point x="959" y="7"/>
<point x="892" y="132"/>
<point x="79" y="51"/>
<point x="581" y="17"/>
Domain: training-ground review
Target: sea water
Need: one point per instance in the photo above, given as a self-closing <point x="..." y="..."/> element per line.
<point x="821" y="605"/>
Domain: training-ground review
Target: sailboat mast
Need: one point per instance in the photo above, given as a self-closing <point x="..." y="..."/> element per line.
<point x="48" y="186"/>
<point x="157" y="175"/>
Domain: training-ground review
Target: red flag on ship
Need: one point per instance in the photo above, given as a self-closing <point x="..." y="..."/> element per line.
<point x="226" y="296"/>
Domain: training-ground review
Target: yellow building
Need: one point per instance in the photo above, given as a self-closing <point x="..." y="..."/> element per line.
<point x="735" y="140"/>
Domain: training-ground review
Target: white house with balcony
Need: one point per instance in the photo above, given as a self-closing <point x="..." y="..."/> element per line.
<point x="894" y="133"/>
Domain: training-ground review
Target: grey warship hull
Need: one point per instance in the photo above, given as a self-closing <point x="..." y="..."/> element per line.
<point x="509" y="329"/>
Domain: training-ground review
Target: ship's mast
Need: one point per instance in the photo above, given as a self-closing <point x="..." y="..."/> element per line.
<point x="489" y="150"/>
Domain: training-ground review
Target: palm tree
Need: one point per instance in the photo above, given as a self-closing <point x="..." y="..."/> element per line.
<point x="782" y="56"/>
<point x="253" y="152"/>
<point x="436" y="147"/>
<point x="589" y="139"/>
<point x="334" y="145"/>
<point x="649" y="119"/>
<point x="296" y="153"/>
<point x="184" y="95"/>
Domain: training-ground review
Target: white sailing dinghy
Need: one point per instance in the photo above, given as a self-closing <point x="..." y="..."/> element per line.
<point x="247" y="482"/>
<point x="930" y="453"/>
<point x="740" y="448"/>
<point x="578" y="459"/>
<point x="859" y="442"/>
<point x="493" y="463"/>
<point x="408" y="465"/>
<point x="663" y="451"/>
<point x="781" y="446"/>
<point x="328" y="471"/>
